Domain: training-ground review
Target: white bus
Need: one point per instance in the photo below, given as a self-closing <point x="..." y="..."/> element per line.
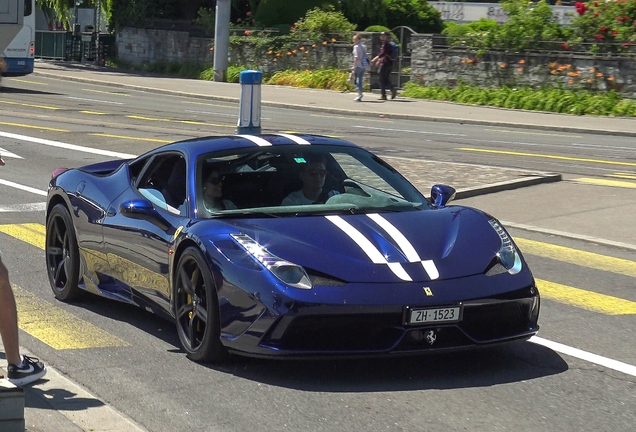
<point x="19" y="54"/>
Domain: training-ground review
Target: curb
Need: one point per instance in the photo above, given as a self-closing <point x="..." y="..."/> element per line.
<point x="551" y="128"/>
<point x="507" y="185"/>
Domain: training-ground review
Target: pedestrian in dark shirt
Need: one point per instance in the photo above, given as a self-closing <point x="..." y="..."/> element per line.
<point x="384" y="61"/>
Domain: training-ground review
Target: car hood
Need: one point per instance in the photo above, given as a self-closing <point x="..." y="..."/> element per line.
<point x="383" y="248"/>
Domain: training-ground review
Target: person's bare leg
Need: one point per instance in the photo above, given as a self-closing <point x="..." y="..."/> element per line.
<point x="8" y="318"/>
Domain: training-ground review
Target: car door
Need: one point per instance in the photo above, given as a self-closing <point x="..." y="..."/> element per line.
<point x="138" y="247"/>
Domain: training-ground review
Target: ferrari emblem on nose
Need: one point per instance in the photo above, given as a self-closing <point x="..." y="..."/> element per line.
<point x="431" y="337"/>
<point x="428" y="291"/>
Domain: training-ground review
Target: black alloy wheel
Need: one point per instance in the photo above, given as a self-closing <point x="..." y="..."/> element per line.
<point x="197" y="309"/>
<point x="62" y="255"/>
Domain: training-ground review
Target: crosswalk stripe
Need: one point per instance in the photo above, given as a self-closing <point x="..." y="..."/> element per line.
<point x="32" y="233"/>
<point x="585" y="299"/>
<point x="606" y="182"/>
<point x="57" y="328"/>
<point x="52" y="325"/>
<point x="578" y="257"/>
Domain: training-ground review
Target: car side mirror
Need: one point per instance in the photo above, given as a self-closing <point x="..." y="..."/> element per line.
<point x="142" y="209"/>
<point x="442" y="195"/>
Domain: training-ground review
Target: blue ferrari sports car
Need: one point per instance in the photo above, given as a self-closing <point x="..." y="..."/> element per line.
<point x="280" y="245"/>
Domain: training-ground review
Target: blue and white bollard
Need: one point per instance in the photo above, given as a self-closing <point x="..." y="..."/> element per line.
<point x="249" y="121"/>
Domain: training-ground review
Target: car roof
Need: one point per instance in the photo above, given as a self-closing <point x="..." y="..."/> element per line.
<point x="197" y="146"/>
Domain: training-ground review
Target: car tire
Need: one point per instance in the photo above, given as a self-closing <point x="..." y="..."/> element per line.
<point x="197" y="309"/>
<point x="62" y="255"/>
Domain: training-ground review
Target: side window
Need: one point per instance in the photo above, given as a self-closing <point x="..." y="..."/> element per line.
<point x="163" y="182"/>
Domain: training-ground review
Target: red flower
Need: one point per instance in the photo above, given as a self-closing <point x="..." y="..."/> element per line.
<point x="565" y="46"/>
<point x="599" y="37"/>
<point x="596" y="14"/>
<point x="603" y="29"/>
<point x="247" y="32"/>
<point x="249" y="13"/>
<point x="615" y="32"/>
<point x="580" y="7"/>
<point x="595" y="3"/>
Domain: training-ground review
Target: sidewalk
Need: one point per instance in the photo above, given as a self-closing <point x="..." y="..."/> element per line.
<point x="56" y="404"/>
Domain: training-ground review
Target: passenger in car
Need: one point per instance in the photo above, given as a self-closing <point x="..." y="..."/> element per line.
<point x="313" y="176"/>
<point x="213" y="193"/>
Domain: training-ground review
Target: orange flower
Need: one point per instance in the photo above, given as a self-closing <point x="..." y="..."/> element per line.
<point x="572" y="74"/>
<point x="275" y="59"/>
<point x="611" y="78"/>
<point x="324" y="43"/>
<point x="593" y="70"/>
<point x="289" y="53"/>
<point x="571" y="82"/>
<point x="522" y="61"/>
<point x="270" y="52"/>
<point x="589" y="80"/>
<point x="599" y="74"/>
<point x="333" y="39"/>
<point x="302" y="48"/>
<point x="313" y="46"/>
<point x="503" y="65"/>
<point x="277" y="54"/>
<point x="520" y="69"/>
<point x="552" y="71"/>
<point x="294" y="51"/>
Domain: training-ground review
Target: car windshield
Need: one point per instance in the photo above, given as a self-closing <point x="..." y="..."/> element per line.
<point x="290" y="180"/>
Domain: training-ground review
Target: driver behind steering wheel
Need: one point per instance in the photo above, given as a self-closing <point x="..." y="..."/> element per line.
<point x="312" y="176"/>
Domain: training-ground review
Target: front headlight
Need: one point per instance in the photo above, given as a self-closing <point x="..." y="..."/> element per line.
<point x="290" y="273"/>
<point x="507" y="254"/>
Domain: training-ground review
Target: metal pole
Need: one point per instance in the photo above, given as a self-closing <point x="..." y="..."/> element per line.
<point x="221" y="39"/>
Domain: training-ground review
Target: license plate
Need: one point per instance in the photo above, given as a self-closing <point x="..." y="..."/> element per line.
<point x="435" y="315"/>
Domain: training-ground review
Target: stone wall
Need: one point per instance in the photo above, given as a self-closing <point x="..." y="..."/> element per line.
<point x="434" y="64"/>
<point x="138" y="46"/>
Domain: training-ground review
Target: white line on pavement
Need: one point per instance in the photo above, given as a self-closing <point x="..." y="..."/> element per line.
<point x="67" y="146"/>
<point x="95" y="100"/>
<point x="23" y="187"/>
<point x="20" y="208"/>
<point x="587" y="356"/>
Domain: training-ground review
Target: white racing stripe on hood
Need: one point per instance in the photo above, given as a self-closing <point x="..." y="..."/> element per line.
<point x="367" y="247"/>
<point x="256" y="140"/>
<point x="405" y="246"/>
<point x="294" y="138"/>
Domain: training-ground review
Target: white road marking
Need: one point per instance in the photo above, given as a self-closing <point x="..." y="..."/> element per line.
<point x="587" y="356"/>
<point x="6" y="153"/>
<point x="67" y="146"/>
<point x="22" y="187"/>
<point x="96" y="100"/>
<point x="410" y="131"/>
<point x="19" y="208"/>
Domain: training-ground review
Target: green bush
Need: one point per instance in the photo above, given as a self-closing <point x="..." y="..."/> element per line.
<point x="318" y="22"/>
<point x="577" y="102"/>
<point x="419" y="15"/>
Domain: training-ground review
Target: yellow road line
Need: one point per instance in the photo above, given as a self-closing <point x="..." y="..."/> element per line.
<point x="93" y="112"/>
<point x="192" y="122"/>
<point x="30" y="105"/>
<point x="578" y="257"/>
<point x="605" y="182"/>
<point x="32" y="233"/>
<point x="33" y="127"/>
<point x="106" y="92"/>
<point x="622" y="175"/>
<point x="547" y="156"/>
<point x="28" y="81"/>
<point x="350" y="117"/>
<point x="57" y="328"/>
<point x="132" y="138"/>
<point x="585" y="299"/>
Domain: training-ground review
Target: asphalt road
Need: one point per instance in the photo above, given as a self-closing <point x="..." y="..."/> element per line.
<point x="133" y="362"/>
